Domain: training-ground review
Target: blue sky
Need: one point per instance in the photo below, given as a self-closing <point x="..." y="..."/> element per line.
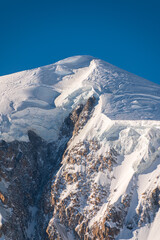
<point x="125" y="33"/>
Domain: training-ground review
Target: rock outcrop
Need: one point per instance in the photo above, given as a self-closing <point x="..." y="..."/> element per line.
<point x="26" y="170"/>
<point x="79" y="153"/>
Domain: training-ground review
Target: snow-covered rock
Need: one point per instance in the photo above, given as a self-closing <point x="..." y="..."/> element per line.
<point x="41" y="98"/>
<point x="102" y="126"/>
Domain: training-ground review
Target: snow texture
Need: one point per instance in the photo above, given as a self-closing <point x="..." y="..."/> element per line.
<point x="41" y="98"/>
<point x="126" y="118"/>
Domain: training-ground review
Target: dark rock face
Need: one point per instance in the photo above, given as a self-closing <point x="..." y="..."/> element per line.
<point x="26" y="171"/>
<point x="69" y="123"/>
<point x="85" y="114"/>
<point x="78" y="118"/>
<point x="25" y="168"/>
<point x="71" y="212"/>
<point x="35" y="203"/>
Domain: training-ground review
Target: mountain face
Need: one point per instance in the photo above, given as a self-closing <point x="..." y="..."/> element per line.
<point x="79" y="153"/>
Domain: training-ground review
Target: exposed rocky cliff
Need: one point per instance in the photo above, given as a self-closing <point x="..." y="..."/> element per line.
<point x="79" y="153"/>
<point x="26" y="171"/>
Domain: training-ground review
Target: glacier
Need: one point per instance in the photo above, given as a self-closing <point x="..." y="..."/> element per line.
<point x="126" y="118"/>
<point x="41" y="98"/>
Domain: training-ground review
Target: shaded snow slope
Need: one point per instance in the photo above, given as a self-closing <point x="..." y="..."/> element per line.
<point x="41" y="98"/>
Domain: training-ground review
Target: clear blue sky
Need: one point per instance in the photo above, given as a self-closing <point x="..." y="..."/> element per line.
<point x="125" y="33"/>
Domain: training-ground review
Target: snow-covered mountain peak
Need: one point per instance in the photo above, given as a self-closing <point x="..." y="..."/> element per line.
<point x="41" y="98"/>
<point x="95" y="129"/>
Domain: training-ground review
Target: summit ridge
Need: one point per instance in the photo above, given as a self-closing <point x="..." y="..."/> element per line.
<point x="47" y="94"/>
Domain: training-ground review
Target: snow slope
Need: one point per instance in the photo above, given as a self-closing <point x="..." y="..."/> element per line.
<point x="41" y="98"/>
<point x="126" y="118"/>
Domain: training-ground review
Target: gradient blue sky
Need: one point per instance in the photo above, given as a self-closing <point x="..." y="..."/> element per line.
<point x="125" y="33"/>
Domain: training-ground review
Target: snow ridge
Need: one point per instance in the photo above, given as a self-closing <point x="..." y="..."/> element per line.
<point x="121" y="136"/>
<point x="41" y="98"/>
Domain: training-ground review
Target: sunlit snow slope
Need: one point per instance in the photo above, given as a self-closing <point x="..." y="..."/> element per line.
<point x="126" y="119"/>
<point x="41" y="98"/>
